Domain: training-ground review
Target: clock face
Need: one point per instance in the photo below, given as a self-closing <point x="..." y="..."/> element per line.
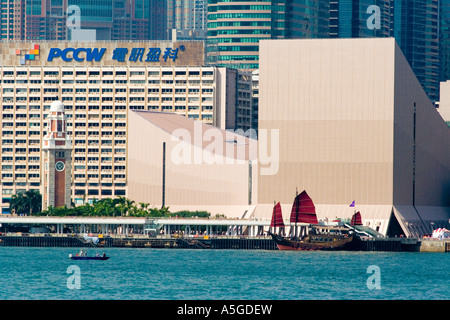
<point x="59" y="166"/>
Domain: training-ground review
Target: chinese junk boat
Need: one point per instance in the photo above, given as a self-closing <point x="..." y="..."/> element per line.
<point x="318" y="238"/>
<point x="356" y="219"/>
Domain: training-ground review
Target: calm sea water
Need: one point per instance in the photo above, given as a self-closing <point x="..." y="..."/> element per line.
<point x="177" y="274"/>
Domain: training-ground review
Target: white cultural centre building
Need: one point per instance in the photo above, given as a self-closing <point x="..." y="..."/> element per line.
<point x="354" y="125"/>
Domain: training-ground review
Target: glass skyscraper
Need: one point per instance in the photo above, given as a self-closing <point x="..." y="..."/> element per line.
<point x="415" y="26"/>
<point x="413" y="23"/>
<point x="352" y="18"/>
<point x="444" y="39"/>
<point x="307" y="19"/>
<point x="235" y="27"/>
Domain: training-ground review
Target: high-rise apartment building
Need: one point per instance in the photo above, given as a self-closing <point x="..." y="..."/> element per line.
<point x="186" y="19"/>
<point x="130" y="20"/>
<point x="48" y="20"/>
<point x="98" y="88"/>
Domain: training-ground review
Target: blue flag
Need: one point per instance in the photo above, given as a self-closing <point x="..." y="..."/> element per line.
<point x="353" y="204"/>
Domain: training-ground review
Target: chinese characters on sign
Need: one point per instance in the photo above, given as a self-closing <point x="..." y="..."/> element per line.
<point x="152" y="55"/>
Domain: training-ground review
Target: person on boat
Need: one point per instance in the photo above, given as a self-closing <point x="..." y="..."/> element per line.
<point x="97" y="254"/>
<point x="104" y="254"/>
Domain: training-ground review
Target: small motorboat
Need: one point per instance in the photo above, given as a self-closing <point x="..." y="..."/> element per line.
<point x="87" y="258"/>
<point x="83" y="256"/>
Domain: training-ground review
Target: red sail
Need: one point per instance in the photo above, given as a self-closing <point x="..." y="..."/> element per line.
<point x="356" y="219"/>
<point x="277" y="216"/>
<point x="303" y="210"/>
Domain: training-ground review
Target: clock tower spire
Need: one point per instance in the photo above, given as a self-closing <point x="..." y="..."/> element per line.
<point x="57" y="158"/>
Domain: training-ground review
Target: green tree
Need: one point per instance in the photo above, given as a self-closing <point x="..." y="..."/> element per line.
<point x="105" y="207"/>
<point x="34" y="201"/>
<point x="28" y="202"/>
<point x="125" y="206"/>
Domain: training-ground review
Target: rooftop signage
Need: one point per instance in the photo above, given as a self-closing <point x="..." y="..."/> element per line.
<point x="90" y="54"/>
<point x="120" y="54"/>
<point x="30" y="54"/>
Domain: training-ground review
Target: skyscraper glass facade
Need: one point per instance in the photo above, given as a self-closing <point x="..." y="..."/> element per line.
<point x="235" y="27"/>
<point x="356" y="18"/>
<point x="91" y="10"/>
<point x="307" y="18"/>
<point x="413" y="23"/>
<point x="415" y="26"/>
<point x="234" y="31"/>
<point x="444" y="39"/>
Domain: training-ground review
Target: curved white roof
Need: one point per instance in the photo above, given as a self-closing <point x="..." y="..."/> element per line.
<point x="57" y="106"/>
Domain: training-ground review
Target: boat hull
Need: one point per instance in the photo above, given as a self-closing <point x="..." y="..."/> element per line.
<point x="89" y="258"/>
<point x="309" y="243"/>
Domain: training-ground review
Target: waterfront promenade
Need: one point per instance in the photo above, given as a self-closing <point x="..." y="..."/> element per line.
<point x="139" y="226"/>
<point x="193" y="233"/>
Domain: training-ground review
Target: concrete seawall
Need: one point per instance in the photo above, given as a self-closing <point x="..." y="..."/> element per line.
<point x="433" y="245"/>
<point x="255" y="243"/>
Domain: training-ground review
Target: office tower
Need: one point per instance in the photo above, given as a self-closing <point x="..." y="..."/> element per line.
<point x="415" y="26"/>
<point x="306" y="19"/>
<point x="236" y="27"/>
<point x="413" y="23"/>
<point x="186" y="19"/>
<point x="444" y="39"/>
<point x="360" y="18"/>
<point x="158" y="20"/>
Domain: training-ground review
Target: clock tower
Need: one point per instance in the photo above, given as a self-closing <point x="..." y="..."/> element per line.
<point x="57" y="160"/>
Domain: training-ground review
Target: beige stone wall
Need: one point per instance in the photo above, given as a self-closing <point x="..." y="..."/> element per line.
<point x="354" y="124"/>
<point x="444" y="103"/>
<point x="190" y="185"/>
<point x="332" y="102"/>
<point x="193" y="55"/>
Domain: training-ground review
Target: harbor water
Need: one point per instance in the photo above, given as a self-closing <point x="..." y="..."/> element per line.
<point x="184" y="274"/>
